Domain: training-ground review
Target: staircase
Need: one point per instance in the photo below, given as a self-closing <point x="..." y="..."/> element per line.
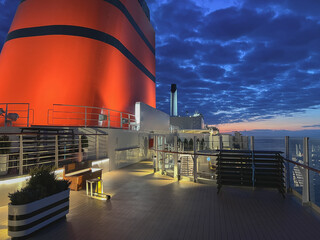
<point x="186" y="165"/>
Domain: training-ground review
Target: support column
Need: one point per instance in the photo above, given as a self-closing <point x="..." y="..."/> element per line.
<point x="220" y="143"/>
<point x="195" y="158"/>
<point x="106" y="146"/>
<point x="97" y="147"/>
<point x="253" y="166"/>
<point x="21" y="155"/>
<point x="288" y="184"/>
<point x="80" y="157"/>
<point x="163" y="156"/>
<point x="156" y="152"/>
<point x="306" y="188"/>
<point x="56" y="152"/>
<point x="175" y="157"/>
<point x="252" y="143"/>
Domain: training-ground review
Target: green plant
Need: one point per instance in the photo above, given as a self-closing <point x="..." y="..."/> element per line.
<point x="5" y="144"/>
<point x="43" y="183"/>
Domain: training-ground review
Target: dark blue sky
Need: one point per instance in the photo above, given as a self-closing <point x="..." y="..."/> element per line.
<point x="238" y="62"/>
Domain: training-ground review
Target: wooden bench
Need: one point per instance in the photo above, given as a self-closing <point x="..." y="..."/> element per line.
<point x="78" y="173"/>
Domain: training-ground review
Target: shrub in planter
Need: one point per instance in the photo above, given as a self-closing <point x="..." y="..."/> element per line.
<point x="42" y="183"/>
<point x="43" y="201"/>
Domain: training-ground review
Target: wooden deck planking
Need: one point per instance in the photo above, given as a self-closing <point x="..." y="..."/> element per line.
<point x="148" y="206"/>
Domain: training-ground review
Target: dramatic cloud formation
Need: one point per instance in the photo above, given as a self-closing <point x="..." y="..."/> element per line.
<point x="233" y="61"/>
<point x="244" y="61"/>
<point x="7" y="11"/>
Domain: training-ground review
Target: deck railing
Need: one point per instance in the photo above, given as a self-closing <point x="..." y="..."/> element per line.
<point x="85" y="116"/>
<point x="16" y="115"/>
<point x="302" y="173"/>
<point x="19" y="152"/>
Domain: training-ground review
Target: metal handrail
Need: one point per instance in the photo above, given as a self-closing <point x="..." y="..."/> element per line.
<point x="17" y="123"/>
<point x="26" y="153"/>
<point x="302" y="165"/>
<point x="130" y="118"/>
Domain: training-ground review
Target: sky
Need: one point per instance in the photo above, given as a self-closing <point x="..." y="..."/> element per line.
<point x="243" y="64"/>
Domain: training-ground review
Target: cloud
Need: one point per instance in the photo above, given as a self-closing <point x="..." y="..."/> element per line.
<point x="7" y="11"/>
<point x="312" y="126"/>
<point x="241" y="63"/>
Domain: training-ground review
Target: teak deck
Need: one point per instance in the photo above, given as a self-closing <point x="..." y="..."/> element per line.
<point x="148" y="206"/>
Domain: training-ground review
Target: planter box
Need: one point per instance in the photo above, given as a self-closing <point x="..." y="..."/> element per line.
<point x="24" y="220"/>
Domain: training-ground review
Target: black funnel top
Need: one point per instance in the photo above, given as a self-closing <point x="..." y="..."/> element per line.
<point x="173" y="88"/>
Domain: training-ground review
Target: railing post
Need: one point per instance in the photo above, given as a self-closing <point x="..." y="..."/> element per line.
<point x="108" y="118"/>
<point x="80" y="149"/>
<point x="252" y="143"/>
<point x="107" y="144"/>
<point x="220" y="143"/>
<point x="252" y="156"/>
<point x="305" y="188"/>
<point x="156" y="165"/>
<point x="85" y="116"/>
<point x="28" y="115"/>
<point x="20" y="155"/>
<point x="6" y="116"/>
<point x="121" y="120"/>
<point x="56" y="152"/>
<point x="195" y="158"/>
<point x="175" y="157"/>
<point x="163" y="156"/>
<point x="97" y="147"/>
<point x="288" y="188"/>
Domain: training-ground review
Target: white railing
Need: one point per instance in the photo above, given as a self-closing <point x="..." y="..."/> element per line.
<point x="301" y="158"/>
<point x="16" y="115"/>
<point x="19" y="152"/>
<point x="85" y="116"/>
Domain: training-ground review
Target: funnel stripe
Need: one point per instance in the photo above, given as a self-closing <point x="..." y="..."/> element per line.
<point x="134" y="24"/>
<point x="80" y="32"/>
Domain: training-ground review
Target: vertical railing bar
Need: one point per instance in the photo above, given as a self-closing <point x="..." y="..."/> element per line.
<point x="163" y="156"/>
<point x="121" y="120"/>
<point x="253" y="166"/>
<point x="157" y="153"/>
<point x="175" y="157"/>
<point x="306" y="183"/>
<point x="195" y="157"/>
<point x="85" y="116"/>
<point x="109" y="118"/>
<point x="20" y="155"/>
<point x="28" y="115"/>
<point x="6" y="116"/>
<point x="80" y="149"/>
<point x="97" y="147"/>
<point x="56" y="153"/>
<point x="287" y="140"/>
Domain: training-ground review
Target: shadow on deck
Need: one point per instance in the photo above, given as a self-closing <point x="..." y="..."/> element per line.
<point x="148" y="206"/>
